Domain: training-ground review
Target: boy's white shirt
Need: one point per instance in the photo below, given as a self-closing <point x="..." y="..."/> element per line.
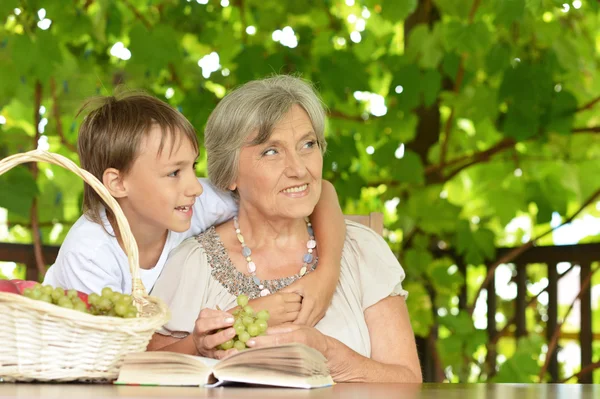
<point x="90" y="257"/>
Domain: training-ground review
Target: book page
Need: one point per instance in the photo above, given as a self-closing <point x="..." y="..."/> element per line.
<point x="165" y="368"/>
<point x="292" y="358"/>
<point x="250" y="375"/>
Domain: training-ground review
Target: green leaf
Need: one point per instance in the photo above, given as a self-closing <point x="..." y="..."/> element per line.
<point x="509" y="11"/>
<point x="456" y="8"/>
<point x="417" y="261"/>
<point x="343" y="73"/>
<point x="409" y="78"/>
<point x="524" y="365"/>
<point x="475" y="246"/>
<point x="7" y="7"/>
<point x="561" y="113"/>
<point x="396" y="11"/>
<point x="431" y="213"/>
<point x="153" y="49"/>
<point x="419" y="307"/>
<point x="18" y="190"/>
<point x="409" y="169"/>
<point x="444" y="282"/>
<point x="424" y="47"/>
<point x="341" y="149"/>
<point x="465" y="37"/>
<point x="431" y="85"/>
<point x="497" y="59"/>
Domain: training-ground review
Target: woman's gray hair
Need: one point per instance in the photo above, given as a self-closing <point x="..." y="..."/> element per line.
<point x="255" y="106"/>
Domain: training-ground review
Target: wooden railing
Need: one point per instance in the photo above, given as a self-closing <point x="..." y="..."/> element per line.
<point x="582" y="255"/>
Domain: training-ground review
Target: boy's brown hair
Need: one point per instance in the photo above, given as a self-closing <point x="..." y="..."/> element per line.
<point x="112" y="131"/>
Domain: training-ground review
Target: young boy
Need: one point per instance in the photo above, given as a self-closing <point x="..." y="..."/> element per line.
<point x="145" y="152"/>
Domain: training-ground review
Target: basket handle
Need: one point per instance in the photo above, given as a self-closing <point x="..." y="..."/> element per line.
<point x="137" y="289"/>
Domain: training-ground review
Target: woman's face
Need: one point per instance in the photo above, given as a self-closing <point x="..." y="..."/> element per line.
<point x="282" y="177"/>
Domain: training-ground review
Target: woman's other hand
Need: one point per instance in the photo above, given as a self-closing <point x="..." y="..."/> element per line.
<point x="206" y="336"/>
<point x="292" y="333"/>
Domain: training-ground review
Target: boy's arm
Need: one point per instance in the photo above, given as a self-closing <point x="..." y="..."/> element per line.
<point x="317" y="288"/>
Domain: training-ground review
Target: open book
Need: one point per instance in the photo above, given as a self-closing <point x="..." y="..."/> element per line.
<point x="292" y="365"/>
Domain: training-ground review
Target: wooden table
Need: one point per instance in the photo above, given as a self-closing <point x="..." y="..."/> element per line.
<point x="399" y="391"/>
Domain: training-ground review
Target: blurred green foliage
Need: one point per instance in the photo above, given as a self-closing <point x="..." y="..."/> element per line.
<point x="456" y="117"/>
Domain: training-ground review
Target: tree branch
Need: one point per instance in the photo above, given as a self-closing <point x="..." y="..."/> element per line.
<point x="56" y="114"/>
<point x="555" y="334"/>
<point x="589" y="105"/>
<point x="87" y="4"/>
<point x="35" y="231"/>
<point x="592" y="129"/>
<point x="480" y="156"/>
<point x="340" y="115"/>
<point x="586" y="370"/>
<point x="460" y="74"/>
<point x="175" y="77"/>
<point x="240" y="4"/>
<point x="138" y="15"/>
<point x="474" y="7"/>
<point x="519" y="250"/>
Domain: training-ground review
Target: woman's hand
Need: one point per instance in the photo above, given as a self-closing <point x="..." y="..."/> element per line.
<point x="283" y="307"/>
<point x="292" y="333"/>
<point x="206" y="337"/>
<point x="316" y="291"/>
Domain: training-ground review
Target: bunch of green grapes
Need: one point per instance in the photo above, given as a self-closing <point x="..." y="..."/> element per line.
<point x="247" y="324"/>
<point x="111" y="303"/>
<point x="65" y="299"/>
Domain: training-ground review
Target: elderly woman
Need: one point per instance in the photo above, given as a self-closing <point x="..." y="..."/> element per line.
<point x="265" y="142"/>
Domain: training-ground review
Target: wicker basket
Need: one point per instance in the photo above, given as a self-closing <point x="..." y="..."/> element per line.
<point x="44" y="342"/>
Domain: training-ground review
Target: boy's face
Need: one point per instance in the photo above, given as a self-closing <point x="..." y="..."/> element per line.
<point x="161" y="188"/>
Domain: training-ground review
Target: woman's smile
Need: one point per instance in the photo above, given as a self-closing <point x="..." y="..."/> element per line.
<point x="296" y="191"/>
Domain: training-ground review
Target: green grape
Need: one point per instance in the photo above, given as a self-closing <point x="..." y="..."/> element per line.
<point x="112" y="313"/>
<point x="93" y="298"/>
<point x="107" y="293"/>
<point x="242" y="300"/>
<point x="131" y="315"/>
<point x="263" y="315"/>
<point x="227" y="345"/>
<point x="104" y="304"/>
<point x="57" y="293"/>
<point x="247" y="320"/>
<point x="262" y="325"/>
<point x="121" y="309"/>
<point x="248" y="310"/>
<point x="253" y="330"/>
<point x="28" y="292"/>
<point x="239" y="329"/>
<point x="47" y="289"/>
<point x="46" y="298"/>
<point x="245" y="336"/>
<point x="239" y="345"/>
<point x="72" y="294"/>
<point x="125" y="299"/>
<point x="237" y="312"/>
<point x="238" y="322"/>
<point x="80" y="306"/>
<point x="65" y="302"/>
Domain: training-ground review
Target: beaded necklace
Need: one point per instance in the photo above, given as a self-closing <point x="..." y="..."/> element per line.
<point x="251" y="266"/>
